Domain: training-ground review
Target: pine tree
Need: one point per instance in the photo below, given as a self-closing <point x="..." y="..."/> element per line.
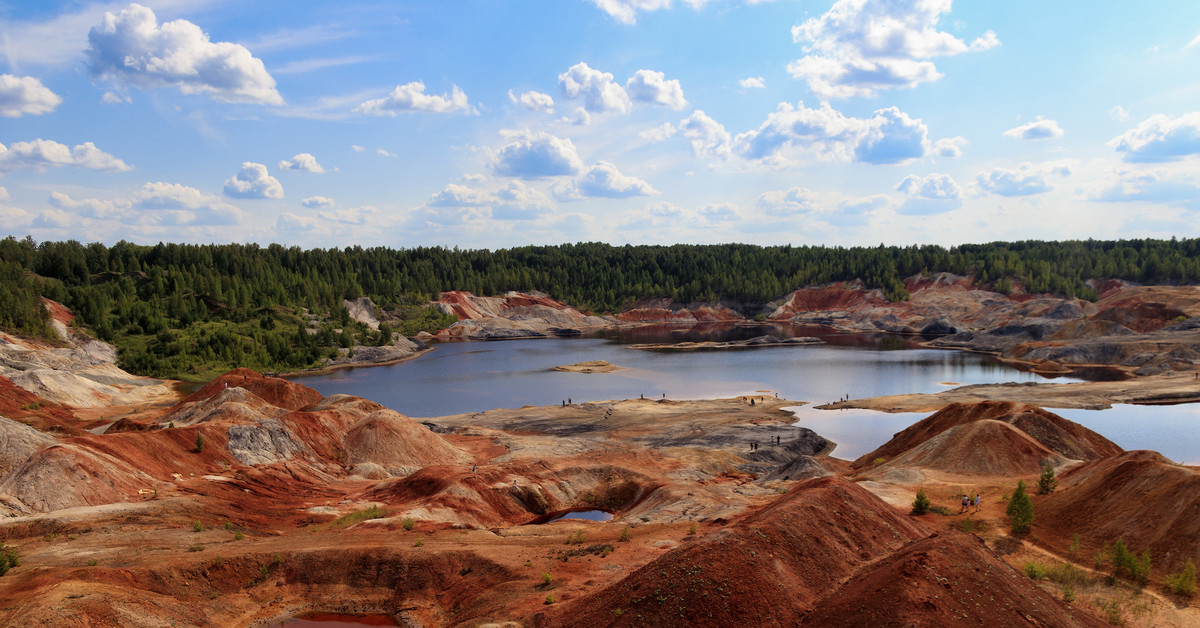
<point x="1020" y="510"/>
<point x="921" y="503"/>
<point x="1047" y="482"/>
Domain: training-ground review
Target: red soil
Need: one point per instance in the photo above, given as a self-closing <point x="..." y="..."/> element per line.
<point x="839" y="296"/>
<point x="1056" y="434"/>
<point x="1137" y="496"/>
<point x="42" y="415"/>
<point x="275" y="391"/>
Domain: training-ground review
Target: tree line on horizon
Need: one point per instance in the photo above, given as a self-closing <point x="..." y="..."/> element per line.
<point x="170" y="306"/>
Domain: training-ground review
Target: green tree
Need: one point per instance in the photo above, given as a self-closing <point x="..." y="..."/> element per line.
<point x="921" y="503"/>
<point x="1020" y="510"/>
<point x="1047" y="482"/>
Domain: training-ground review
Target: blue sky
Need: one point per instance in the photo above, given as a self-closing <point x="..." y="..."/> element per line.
<point x="496" y="123"/>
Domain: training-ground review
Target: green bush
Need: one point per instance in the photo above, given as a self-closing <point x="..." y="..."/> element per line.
<point x="8" y="558"/>
<point x="1184" y="582"/>
<point x="197" y="526"/>
<point x="1020" y="510"/>
<point x="408" y="523"/>
<point x="199" y="442"/>
<point x="626" y="535"/>
<point x="1035" y="571"/>
<point x="921" y="504"/>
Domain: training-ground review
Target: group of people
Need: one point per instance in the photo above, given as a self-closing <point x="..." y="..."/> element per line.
<point x="967" y="502"/>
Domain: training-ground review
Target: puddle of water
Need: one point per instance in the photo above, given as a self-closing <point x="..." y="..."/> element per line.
<point x="590" y="515"/>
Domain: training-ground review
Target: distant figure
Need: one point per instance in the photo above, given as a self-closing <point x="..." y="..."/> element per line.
<point x="226" y="385"/>
<point x="664" y="395"/>
<point x="642" y="396"/>
<point x="569" y="401"/>
<point x="966" y="502"/>
<point x="514" y="488"/>
<point x="751" y="402"/>
<point x="776" y="395"/>
<point x="564" y="403"/>
<point x="472" y="470"/>
<point x="977" y="498"/>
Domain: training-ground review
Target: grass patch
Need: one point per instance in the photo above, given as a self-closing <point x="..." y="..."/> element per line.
<point x="374" y="512"/>
<point x="408" y="523"/>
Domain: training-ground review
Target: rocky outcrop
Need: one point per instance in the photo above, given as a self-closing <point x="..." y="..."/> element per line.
<point x="514" y="315"/>
<point x="668" y="311"/>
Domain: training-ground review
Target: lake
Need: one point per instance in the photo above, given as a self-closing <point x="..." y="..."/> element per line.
<point x="472" y="376"/>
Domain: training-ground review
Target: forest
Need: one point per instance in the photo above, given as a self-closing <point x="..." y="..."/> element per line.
<point x="183" y="310"/>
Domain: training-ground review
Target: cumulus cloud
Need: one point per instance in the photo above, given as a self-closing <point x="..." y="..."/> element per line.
<point x="949" y="146"/>
<point x="888" y="137"/>
<point x="603" y="180"/>
<point x="1119" y="113"/>
<point x="625" y="11"/>
<point x="533" y="101"/>
<point x="707" y="136"/>
<point x="753" y="82"/>
<point x="1027" y="179"/>
<point x="597" y="90"/>
<point x="515" y="201"/>
<point x="720" y="212"/>
<point x="1151" y="186"/>
<point x="47" y="153"/>
<point x="253" y="182"/>
<point x="350" y="216"/>
<point x="537" y="155"/>
<point x="157" y="203"/>
<point x="131" y="48"/>
<point x="1039" y="129"/>
<point x="25" y="96"/>
<point x="652" y="87"/>
<point x="317" y="202"/>
<point x="789" y="202"/>
<point x="288" y="221"/>
<point x="1160" y="138"/>
<point x="932" y="194"/>
<point x="303" y="162"/>
<point x="859" y="47"/>
<point x="412" y="97"/>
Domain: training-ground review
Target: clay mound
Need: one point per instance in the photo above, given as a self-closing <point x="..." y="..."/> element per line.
<point x="68" y="475"/>
<point x="398" y="444"/>
<point x="17" y="443"/>
<point x="1138" y="496"/>
<point x="769" y="569"/>
<point x="65" y="388"/>
<point x="275" y="391"/>
<point x="985" y="447"/>
<point x="947" y="580"/>
<point x="19" y="404"/>
<point x="1091" y="328"/>
<point x="1065" y="438"/>
<point x="231" y="405"/>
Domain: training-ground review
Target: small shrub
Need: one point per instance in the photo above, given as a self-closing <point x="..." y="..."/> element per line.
<point x="878" y="461"/>
<point x="374" y="512"/>
<point x="228" y="525"/>
<point x="8" y="558"/>
<point x="1067" y="574"/>
<point x="1047" y="482"/>
<point x="199" y="442"/>
<point x="237" y="536"/>
<point x="197" y="526"/>
<point x="92" y="562"/>
<point x="921" y="504"/>
<point x="549" y="598"/>
<point x="420" y="542"/>
<point x="1020" y="510"/>
<point x="547" y="578"/>
<point x="1112" y="611"/>
<point x="1035" y="571"/>
<point x="1068" y="594"/>
<point x="464" y="571"/>
<point x="576" y="538"/>
<point x="940" y="510"/>
<point x="196" y="548"/>
<point x="278" y="559"/>
<point x="972" y="526"/>
<point x="1184" y="582"/>
<point x="1073" y="549"/>
<point x="626" y="535"/>
<point x="408" y="523"/>
<point x="693" y="528"/>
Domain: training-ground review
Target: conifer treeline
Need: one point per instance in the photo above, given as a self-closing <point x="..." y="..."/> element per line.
<point x="129" y="290"/>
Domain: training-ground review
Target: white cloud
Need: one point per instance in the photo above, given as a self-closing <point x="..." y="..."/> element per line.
<point x="288" y="221"/>
<point x="1026" y="180"/>
<point x="1119" y="113"/>
<point x="25" y="96"/>
<point x="317" y="202"/>
<point x="535" y="155"/>
<point x="46" y="153"/>
<point x="158" y="203"/>
<point x="720" y="212"/>
<point x="131" y="48"/>
<point x="582" y="117"/>
<point x="412" y="97"/>
<point x="304" y="162"/>
<point x="603" y="180"/>
<point x="356" y="148"/>
<point x="949" y="146"/>
<point x="3" y="193"/>
<point x="1194" y="42"/>
<point x="383" y="152"/>
<point x="790" y="202"/>
<point x="350" y="216"/>
<point x="660" y="133"/>
<point x="708" y="137"/>
<point x="253" y="182"/>
<point x="515" y="201"/>
<point x="888" y="137"/>
<point x="932" y="194"/>
<point x="652" y="87"/>
<point x="859" y="47"/>
<point x="625" y="11"/>
<point x="597" y="90"/>
<point x="1161" y="138"/>
<point x="1157" y="186"/>
<point x="753" y="82"/>
<point x="115" y="98"/>
<point x="533" y="101"/>
<point x="1039" y="129"/>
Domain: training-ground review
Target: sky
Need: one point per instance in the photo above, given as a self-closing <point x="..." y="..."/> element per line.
<point x="501" y="123"/>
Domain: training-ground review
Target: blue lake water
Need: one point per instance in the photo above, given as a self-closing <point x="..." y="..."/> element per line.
<point x="458" y="377"/>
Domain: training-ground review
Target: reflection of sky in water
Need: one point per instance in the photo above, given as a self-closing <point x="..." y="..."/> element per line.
<point x="472" y="376"/>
